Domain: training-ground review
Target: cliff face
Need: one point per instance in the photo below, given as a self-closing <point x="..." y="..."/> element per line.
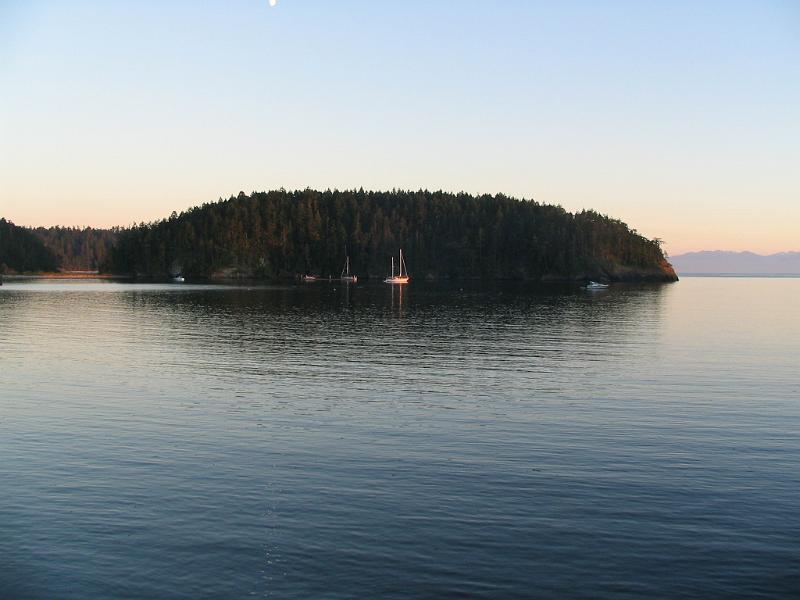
<point x="282" y="234"/>
<point x="660" y="273"/>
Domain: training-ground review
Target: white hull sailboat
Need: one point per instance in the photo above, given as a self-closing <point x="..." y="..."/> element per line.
<point x="402" y="276"/>
<point x="346" y="276"/>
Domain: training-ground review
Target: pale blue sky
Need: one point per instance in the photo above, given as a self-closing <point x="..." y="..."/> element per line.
<point x="682" y="119"/>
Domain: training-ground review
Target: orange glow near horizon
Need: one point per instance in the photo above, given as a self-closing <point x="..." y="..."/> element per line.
<point x="684" y="232"/>
<point x="100" y="126"/>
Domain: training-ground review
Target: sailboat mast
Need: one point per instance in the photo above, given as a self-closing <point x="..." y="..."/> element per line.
<point x="393" y="266"/>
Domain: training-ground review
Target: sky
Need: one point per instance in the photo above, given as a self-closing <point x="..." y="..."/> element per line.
<point x="680" y="118"/>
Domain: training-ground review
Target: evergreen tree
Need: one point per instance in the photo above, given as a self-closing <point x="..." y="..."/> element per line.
<point x="21" y="251"/>
<point x="282" y="234"/>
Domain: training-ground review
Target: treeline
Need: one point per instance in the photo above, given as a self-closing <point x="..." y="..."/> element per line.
<point x="280" y="234"/>
<point x="78" y="249"/>
<point x="21" y="251"/>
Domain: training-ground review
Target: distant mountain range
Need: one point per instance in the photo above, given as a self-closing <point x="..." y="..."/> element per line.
<point x="735" y="263"/>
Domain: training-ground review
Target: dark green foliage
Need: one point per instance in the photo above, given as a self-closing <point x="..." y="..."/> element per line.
<point x="21" y="251"/>
<point x="78" y="249"/>
<point x="280" y="233"/>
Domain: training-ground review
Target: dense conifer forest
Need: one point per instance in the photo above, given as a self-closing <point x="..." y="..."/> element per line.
<point x="282" y="234"/>
<point x="21" y="251"/>
<point x="78" y="249"/>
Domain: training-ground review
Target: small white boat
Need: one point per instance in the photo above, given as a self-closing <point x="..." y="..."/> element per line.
<point x="346" y="276"/>
<point x="309" y="277"/>
<point x="594" y="285"/>
<point x="402" y="276"/>
<point x="178" y="279"/>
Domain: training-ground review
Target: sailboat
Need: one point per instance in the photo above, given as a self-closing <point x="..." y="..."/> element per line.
<point x="346" y="272"/>
<point x="401" y="277"/>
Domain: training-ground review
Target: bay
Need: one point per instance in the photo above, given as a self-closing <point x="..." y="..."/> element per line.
<point x="432" y="440"/>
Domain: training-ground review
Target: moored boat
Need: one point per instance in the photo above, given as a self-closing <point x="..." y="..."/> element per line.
<point x="595" y="285"/>
<point x="402" y="276"/>
<point x="346" y="276"/>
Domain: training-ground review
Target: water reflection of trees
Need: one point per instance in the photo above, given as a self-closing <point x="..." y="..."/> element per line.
<point x="431" y="332"/>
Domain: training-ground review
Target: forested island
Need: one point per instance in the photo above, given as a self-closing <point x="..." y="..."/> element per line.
<point x="47" y="250"/>
<point x="21" y="251"/>
<point x="281" y="234"/>
<point x="78" y="248"/>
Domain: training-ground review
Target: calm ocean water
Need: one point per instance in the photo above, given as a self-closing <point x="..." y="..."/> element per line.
<point x="320" y="441"/>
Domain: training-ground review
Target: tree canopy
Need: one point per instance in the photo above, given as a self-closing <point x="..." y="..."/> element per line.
<point x="76" y="248"/>
<point x="281" y="233"/>
<point x="21" y="251"/>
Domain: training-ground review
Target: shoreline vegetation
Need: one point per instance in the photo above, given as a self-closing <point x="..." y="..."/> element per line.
<point x="280" y="235"/>
<point x="63" y="275"/>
